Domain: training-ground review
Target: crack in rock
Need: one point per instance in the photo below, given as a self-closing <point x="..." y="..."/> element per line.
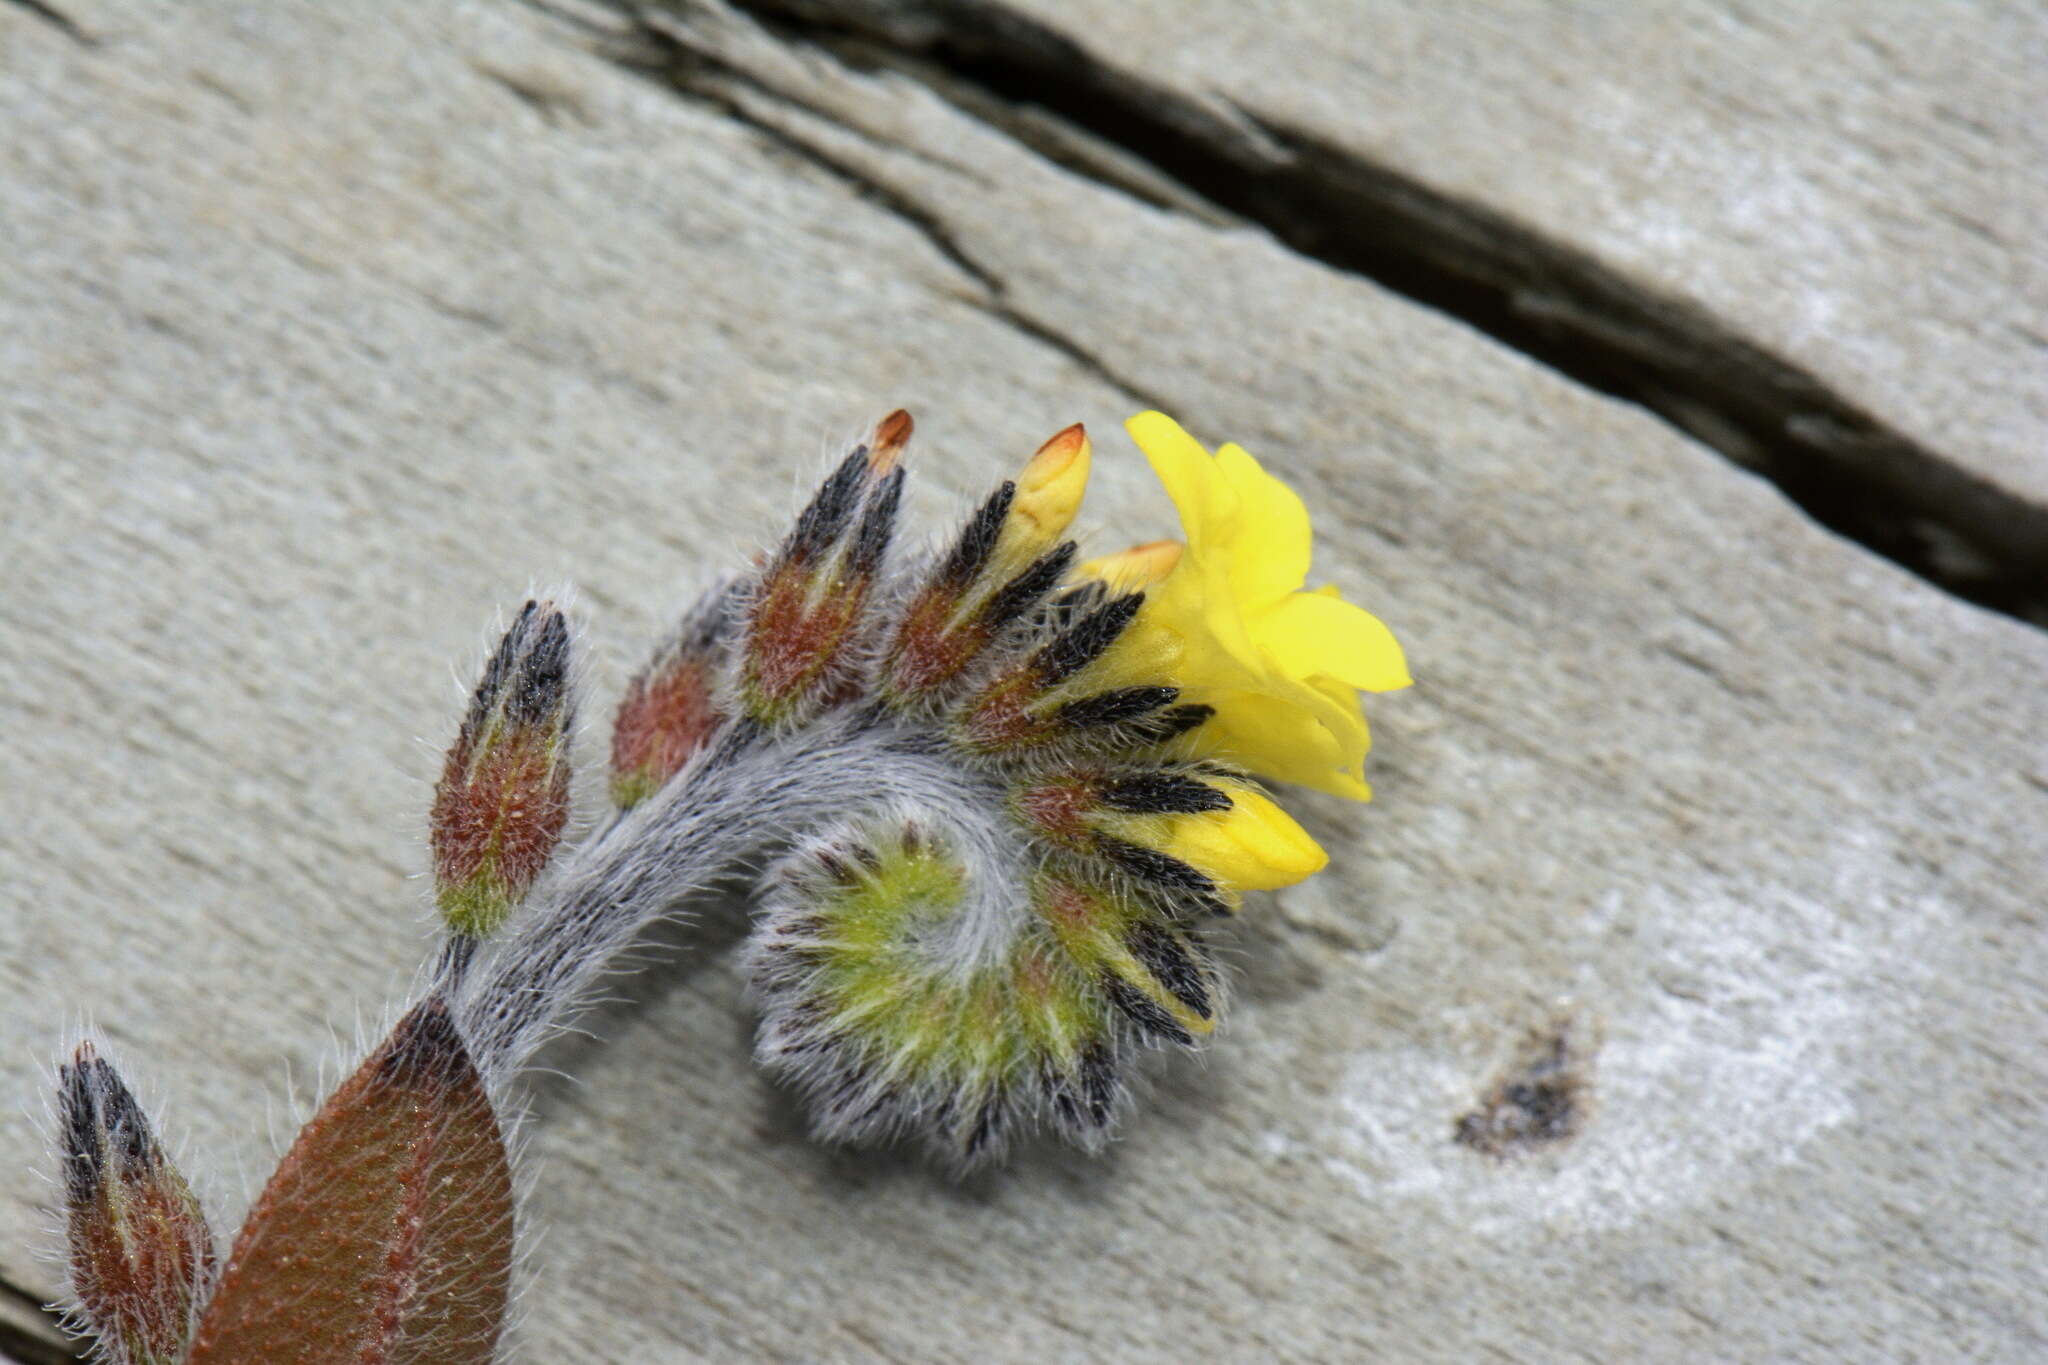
<point x="667" y="56"/>
<point x="1556" y="303"/>
<point x="60" y="21"/>
<point x="20" y="1339"/>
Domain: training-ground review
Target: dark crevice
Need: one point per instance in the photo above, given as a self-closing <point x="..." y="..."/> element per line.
<point x="696" y="71"/>
<point x="669" y="61"/>
<point x="25" y="1344"/>
<point x="1559" y="305"/>
<point x="666" y="56"/>
<point x="59" y="20"/>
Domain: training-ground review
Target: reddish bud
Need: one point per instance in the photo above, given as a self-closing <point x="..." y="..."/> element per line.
<point x="931" y="648"/>
<point x="670" y="709"/>
<point x="386" y="1232"/>
<point x="503" y="797"/>
<point x="1007" y="558"/>
<point x="1059" y="809"/>
<point x="804" y="623"/>
<point x="966" y="604"/>
<point x="892" y="433"/>
<point x="141" y="1253"/>
<point x="1025" y="705"/>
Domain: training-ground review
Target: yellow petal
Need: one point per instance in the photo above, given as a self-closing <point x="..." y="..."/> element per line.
<point x="1281" y="666"/>
<point x="1138" y="567"/>
<point x="1313" y="634"/>
<point x="1270" y="551"/>
<point x="1204" y="502"/>
<point x="1254" y="846"/>
<point x="1304" y="736"/>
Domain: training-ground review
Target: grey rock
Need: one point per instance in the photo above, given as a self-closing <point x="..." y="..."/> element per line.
<point x="329" y="331"/>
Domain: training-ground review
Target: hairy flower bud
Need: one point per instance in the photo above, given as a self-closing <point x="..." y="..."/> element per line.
<point x="1151" y="971"/>
<point x="1049" y="492"/>
<point x="141" y="1253"/>
<point x="503" y="798"/>
<point x="1030" y="703"/>
<point x="803" y="625"/>
<point x="1006" y="561"/>
<point x="670" y="709"/>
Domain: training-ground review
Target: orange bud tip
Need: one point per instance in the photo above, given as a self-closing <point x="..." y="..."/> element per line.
<point x="892" y="433"/>
<point x="1138" y="567"/>
<point x="1055" y="455"/>
<point x="1049" y="491"/>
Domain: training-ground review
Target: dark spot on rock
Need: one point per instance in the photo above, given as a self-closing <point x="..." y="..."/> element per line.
<point x="1541" y="1098"/>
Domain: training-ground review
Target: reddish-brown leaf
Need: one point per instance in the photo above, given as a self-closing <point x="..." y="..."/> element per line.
<point x="385" y="1235"/>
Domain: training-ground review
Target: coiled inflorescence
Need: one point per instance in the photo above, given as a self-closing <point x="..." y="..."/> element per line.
<point x="1004" y="898"/>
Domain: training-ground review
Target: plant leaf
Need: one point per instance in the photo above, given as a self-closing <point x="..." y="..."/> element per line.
<point x="385" y="1235"/>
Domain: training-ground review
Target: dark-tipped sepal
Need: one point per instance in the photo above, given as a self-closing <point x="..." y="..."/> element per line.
<point x="503" y="798"/>
<point x="141" y="1254"/>
<point x="805" y="620"/>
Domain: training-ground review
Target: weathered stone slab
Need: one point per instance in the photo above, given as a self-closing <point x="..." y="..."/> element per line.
<point x="1856" y="187"/>
<point x="325" y="336"/>
<point x="1805" y="235"/>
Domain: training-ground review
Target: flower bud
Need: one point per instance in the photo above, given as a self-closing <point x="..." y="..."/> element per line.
<point x="1189" y="831"/>
<point x="503" y="798"/>
<point x="1252" y="844"/>
<point x="804" y="622"/>
<point x="670" y="708"/>
<point x="141" y="1253"/>
<point x="1138" y="567"/>
<point x="1007" y="560"/>
<point x="1154" y="975"/>
<point x="1049" y="492"/>
<point x="1028" y="704"/>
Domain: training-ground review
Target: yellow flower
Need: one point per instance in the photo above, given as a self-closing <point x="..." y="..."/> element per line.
<point x="1282" y="667"/>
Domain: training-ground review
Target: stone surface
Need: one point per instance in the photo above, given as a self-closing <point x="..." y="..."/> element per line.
<point x="326" y="334"/>
<point x="1853" y="187"/>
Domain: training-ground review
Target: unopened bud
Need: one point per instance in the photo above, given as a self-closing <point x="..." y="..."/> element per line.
<point x="885" y="448"/>
<point x="1049" y="492"/>
<point x="1025" y="706"/>
<point x="1138" y="567"/>
<point x="141" y="1254"/>
<point x="1154" y="975"/>
<point x="803" y="627"/>
<point x="1007" y="560"/>
<point x="503" y="798"/>
<point x="670" y="709"/>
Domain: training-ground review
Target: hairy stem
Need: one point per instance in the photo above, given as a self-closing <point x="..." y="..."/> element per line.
<point x="744" y="796"/>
